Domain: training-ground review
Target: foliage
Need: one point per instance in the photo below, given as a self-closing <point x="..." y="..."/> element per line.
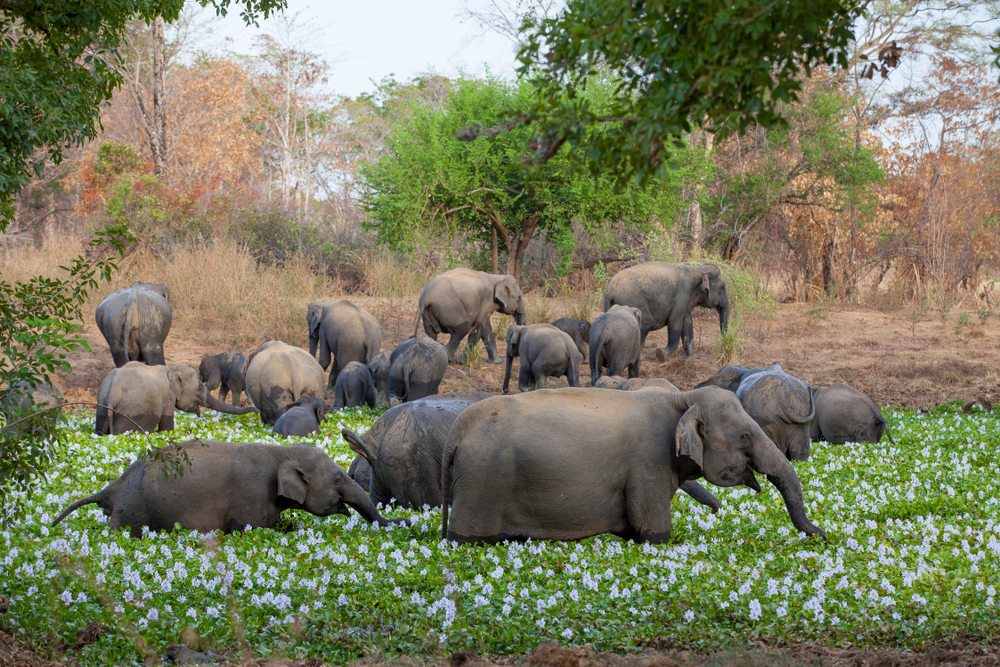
<point x="912" y="548"/>
<point x="59" y="66"/>
<point x="428" y="183"/>
<point x="40" y="322"/>
<point x="726" y="65"/>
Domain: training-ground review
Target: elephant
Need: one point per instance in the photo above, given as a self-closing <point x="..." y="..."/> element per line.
<point x="355" y="386"/>
<point x="379" y="366"/>
<point x="399" y="458"/>
<point x="461" y="301"/>
<point x="844" y="414"/>
<point x="730" y="377"/>
<point x="545" y="351"/>
<point x="228" y="486"/>
<point x="137" y="397"/>
<point x="615" y="342"/>
<point x="634" y="384"/>
<point x="20" y="400"/>
<point x="135" y="321"/>
<point x="279" y="374"/>
<point x="578" y="330"/>
<point x="416" y="368"/>
<point x="783" y="406"/>
<point x="566" y="464"/>
<point x="225" y="372"/>
<point x="666" y="293"/>
<point x="345" y="330"/>
<point x="301" y="418"/>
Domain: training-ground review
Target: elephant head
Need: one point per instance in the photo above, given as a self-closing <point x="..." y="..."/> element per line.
<point x="783" y="406"/>
<point x="314" y="317"/>
<point x="514" y="334"/>
<point x="190" y="393"/>
<point x="508" y="298"/>
<point x="315" y="405"/>
<point x="321" y="487"/>
<point x="210" y="371"/>
<point x="730" y="446"/>
<point x="728" y="378"/>
<point x="712" y="293"/>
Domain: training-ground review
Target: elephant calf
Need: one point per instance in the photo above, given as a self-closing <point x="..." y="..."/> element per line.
<point x="634" y="384"/>
<point x="570" y="463"/>
<point x="228" y="486"/>
<point x="137" y="397"/>
<point x="399" y="457"/>
<point x="844" y="414"/>
<point x="615" y="342"/>
<point x="416" y="368"/>
<point x="578" y="330"/>
<point x="225" y="372"/>
<point x="782" y="404"/>
<point x="355" y="386"/>
<point x="544" y="351"/>
<point x="302" y="418"/>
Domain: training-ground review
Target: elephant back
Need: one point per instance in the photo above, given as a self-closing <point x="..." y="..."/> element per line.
<point x="772" y="395"/>
<point x="280" y="374"/>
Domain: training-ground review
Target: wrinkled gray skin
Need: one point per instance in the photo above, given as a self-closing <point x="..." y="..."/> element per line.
<point x="379" y="366"/>
<point x="544" y="352"/>
<point x="565" y="464"/>
<point x="844" y="414"/>
<point x="634" y="384"/>
<point x="399" y="458"/>
<point x="578" y="330"/>
<point x="302" y="418"/>
<point x="229" y="486"/>
<point x="460" y="302"/>
<point x="135" y="321"/>
<point x="225" y="372"/>
<point x="783" y="406"/>
<point x="666" y="294"/>
<point x="137" y="396"/>
<point x="730" y="377"/>
<point x="355" y="386"/>
<point x="615" y="343"/>
<point x="279" y="374"/>
<point x="416" y="368"/>
<point x="21" y="400"/>
<point x="344" y="330"/>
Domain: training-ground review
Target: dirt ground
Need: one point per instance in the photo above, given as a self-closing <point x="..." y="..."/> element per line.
<point x="897" y="361"/>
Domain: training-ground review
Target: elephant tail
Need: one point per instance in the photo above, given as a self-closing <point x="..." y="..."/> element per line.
<point x="98" y="497"/>
<point x="885" y="425"/>
<point x="420" y="316"/>
<point x="446" y="477"/>
<point x="128" y="322"/>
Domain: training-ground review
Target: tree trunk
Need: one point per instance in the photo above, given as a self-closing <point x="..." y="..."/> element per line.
<point x="155" y="127"/>
<point x="495" y="257"/>
<point x="516" y="261"/>
<point x="696" y="229"/>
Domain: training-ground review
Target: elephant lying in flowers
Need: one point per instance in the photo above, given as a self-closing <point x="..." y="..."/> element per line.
<point x="565" y="464"/>
<point x="228" y="486"/>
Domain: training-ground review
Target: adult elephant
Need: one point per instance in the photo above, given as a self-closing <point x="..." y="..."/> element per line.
<point x="135" y="321"/>
<point x="228" y="486"/>
<point x="460" y="302"/>
<point x="399" y="458"/>
<point x="844" y="414"/>
<point x="277" y="375"/>
<point x="666" y="293"/>
<point x="566" y="464"/>
<point x="615" y="343"/>
<point x="137" y="397"/>
<point x="344" y="330"/>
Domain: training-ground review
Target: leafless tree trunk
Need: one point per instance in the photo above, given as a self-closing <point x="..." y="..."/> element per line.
<point x="155" y="127"/>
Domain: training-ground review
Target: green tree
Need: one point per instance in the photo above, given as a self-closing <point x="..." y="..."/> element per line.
<point x="58" y="66"/>
<point x="426" y="182"/>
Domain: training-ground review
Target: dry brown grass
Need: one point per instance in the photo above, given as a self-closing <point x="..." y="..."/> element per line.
<point x="21" y="262"/>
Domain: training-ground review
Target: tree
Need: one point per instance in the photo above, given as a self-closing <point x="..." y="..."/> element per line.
<point x="58" y="66"/>
<point x="428" y="182"/>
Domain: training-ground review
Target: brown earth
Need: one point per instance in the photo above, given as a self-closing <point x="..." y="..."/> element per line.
<point x="885" y="354"/>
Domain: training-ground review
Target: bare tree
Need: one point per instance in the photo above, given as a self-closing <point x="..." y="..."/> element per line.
<point x="506" y="17"/>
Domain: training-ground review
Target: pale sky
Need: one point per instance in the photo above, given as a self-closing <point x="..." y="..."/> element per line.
<point x="370" y="40"/>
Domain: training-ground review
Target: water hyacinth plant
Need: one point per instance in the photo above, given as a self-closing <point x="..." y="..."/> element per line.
<point x="911" y="557"/>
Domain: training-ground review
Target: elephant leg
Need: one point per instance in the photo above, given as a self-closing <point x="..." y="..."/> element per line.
<point x="633" y="369"/>
<point x="647" y="507"/>
<point x="486" y="332"/>
<point x="673" y="342"/>
<point x="119" y="357"/>
<point x="166" y="423"/>
<point x="540" y="381"/>
<point x="687" y="335"/>
<point x="457" y="335"/>
<point x="224" y="392"/>
<point x="153" y="355"/>
<point x="642" y="338"/>
<point x="524" y="378"/>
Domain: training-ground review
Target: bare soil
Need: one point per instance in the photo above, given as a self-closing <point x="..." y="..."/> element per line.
<point x="885" y="354"/>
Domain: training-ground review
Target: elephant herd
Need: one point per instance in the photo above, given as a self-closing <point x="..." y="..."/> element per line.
<point x="559" y="464"/>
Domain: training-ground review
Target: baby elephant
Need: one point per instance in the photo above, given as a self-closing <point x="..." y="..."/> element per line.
<point x="844" y="414"/>
<point x="302" y="418"/>
<point x="225" y="372"/>
<point x="355" y="386"/>
<point x="578" y="330"/>
<point x="545" y="351"/>
<point x="635" y="384"/>
<point x="615" y="343"/>
<point x="228" y="486"/>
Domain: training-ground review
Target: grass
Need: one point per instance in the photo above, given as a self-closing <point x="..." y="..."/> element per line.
<point x="910" y="559"/>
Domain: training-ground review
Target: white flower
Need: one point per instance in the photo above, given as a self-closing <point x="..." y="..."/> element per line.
<point x="781" y="612"/>
<point x="689" y="616"/>
<point x="66" y="597"/>
<point x="153" y="614"/>
<point x="192" y="613"/>
<point x="567" y="633"/>
<point x="754" y="609"/>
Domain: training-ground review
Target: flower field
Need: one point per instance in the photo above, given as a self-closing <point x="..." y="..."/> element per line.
<point x="912" y="556"/>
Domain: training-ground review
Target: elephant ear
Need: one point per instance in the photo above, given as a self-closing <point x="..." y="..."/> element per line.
<point x="513" y="335"/>
<point x="320" y="408"/>
<point x="162" y="291"/>
<point x="688" y="435"/>
<point x="358" y="445"/>
<point x="505" y="294"/>
<point x="638" y="316"/>
<point x="706" y="282"/>
<point x="176" y="379"/>
<point x="292" y="481"/>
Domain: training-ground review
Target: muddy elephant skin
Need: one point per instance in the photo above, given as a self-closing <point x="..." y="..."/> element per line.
<point x="135" y="322"/>
<point x="615" y="343"/>
<point x="578" y="330"/>
<point x="844" y="414"/>
<point x="543" y="351"/>
<point x="416" y="368"/>
<point x="279" y="374"/>
<point x="342" y="332"/>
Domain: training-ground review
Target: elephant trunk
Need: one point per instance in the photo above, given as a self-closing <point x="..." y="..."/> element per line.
<point x="356" y="498"/>
<point x="519" y="317"/>
<point x="723" y="310"/>
<point x="506" y="371"/>
<point x="766" y="459"/>
<point x="217" y="405"/>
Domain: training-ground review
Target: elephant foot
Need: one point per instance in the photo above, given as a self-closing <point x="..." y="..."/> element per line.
<point x="662" y="353"/>
<point x="692" y="356"/>
<point x="497" y="360"/>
